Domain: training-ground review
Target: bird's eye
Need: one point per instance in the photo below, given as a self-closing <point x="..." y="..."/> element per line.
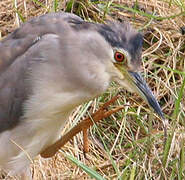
<point x="119" y="57"/>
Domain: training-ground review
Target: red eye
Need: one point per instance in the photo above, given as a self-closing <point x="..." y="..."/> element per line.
<point x="119" y="57"/>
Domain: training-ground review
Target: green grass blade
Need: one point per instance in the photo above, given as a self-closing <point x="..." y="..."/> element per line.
<point x="175" y="115"/>
<point x="106" y="10"/>
<point x="20" y="16"/>
<point x="88" y="170"/>
<point x="182" y="161"/>
<point x="148" y="15"/>
<point x="133" y="172"/>
<point x="167" y="149"/>
<point x="55" y="5"/>
<point x="133" y="10"/>
<point x="69" y="6"/>
<point x="169" y="69"/>
<point x="178" y="101"/>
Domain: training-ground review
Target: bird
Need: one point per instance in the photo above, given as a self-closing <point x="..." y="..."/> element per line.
<point x="50" y="65"/>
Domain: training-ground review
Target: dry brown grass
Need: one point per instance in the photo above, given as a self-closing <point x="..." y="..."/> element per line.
<point x="134" y="135"/>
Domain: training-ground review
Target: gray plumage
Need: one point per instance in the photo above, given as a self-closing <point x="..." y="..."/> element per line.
<point x="14" y="47"/>
<point x="50" y="65"/>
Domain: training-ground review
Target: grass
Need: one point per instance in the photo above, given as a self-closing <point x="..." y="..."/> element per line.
<point x="129" y="144"/>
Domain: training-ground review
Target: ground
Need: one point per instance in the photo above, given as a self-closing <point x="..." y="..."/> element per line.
<point x="129" y="144"/>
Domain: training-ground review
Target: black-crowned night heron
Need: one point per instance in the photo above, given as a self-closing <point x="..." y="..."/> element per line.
<point x="52" y="64"/>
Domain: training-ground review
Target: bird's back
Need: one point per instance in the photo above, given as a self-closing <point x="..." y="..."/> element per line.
<point x="14" y="63"/>
<point x="19" y="41"/>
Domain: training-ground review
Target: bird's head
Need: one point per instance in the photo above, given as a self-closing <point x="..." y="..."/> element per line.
<point x="126" y="44"/>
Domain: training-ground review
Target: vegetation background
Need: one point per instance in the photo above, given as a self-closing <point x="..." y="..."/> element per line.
<point x="129" y="144"/>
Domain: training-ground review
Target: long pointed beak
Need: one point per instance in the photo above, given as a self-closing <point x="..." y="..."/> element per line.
<point x="134" y="82"/>
<point x="146" y="93"/>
